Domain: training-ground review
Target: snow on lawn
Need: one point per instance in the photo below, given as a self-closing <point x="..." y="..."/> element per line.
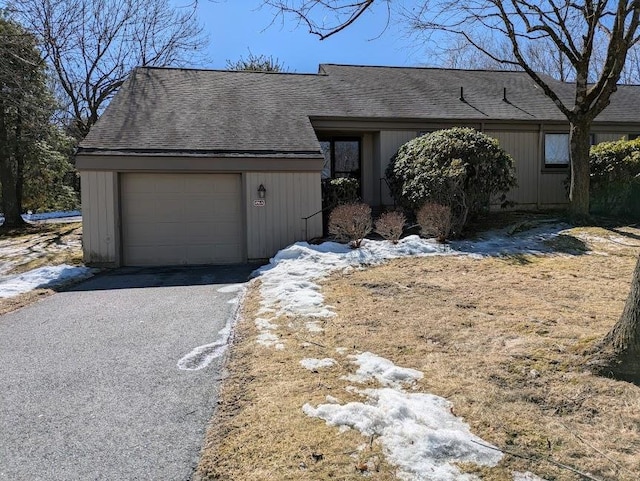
<point x="289" y="281"/>
<point x="382" y="370"/>
<point x="42" y="277"/>
<point x="418" y="432"/>
<point x="315" y="364"/>
<point x="29" y="217"/>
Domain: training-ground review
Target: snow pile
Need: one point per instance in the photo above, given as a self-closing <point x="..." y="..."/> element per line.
<point x="382" y="370"/>
<point x="315" y="364"/>
<point x="43" y="278"/>
<point x="201" y="356"/>
<point x="418" y="431"/>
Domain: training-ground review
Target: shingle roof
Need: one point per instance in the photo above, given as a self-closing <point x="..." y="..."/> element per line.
<point x="208" y="112"/>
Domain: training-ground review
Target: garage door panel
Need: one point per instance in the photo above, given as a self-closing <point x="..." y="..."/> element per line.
<point x="206" y="255"/>
<point x="176" y="219"/>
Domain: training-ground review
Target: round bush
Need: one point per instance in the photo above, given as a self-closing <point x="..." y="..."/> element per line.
<point x="459" y="167"/>
<point x="615" y="178"/>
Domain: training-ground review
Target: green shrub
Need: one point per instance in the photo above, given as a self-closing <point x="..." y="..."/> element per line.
<point x="343" y="190"/>
<point x="350" y="223"/>
<point x="459" y="167"/>
<point x="615" y="178"/>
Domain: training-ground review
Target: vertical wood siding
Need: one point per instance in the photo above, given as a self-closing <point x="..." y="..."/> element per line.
<point x="609" y="137"/>
<point x="524" y="147"/>
<point x="100" y="218"/>
<point x="289" y="198"/>
<point x="553" y="193"/>
<point x="366" y="164"/>
<point x="390" y="142"/>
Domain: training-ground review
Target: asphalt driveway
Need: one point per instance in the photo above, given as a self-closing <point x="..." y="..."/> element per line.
<point x="90" y="386"/>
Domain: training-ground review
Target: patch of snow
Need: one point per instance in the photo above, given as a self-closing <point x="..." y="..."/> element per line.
<point x="232" y="288"/>
<point x="418" y="432"/>
<point x="500" y="242"/>
<point x="382" y="370"/>
<point x="51" y="215"/>
<point x="314" y="364"/>
<point x="201" y="356"/>
<point x="47" y="215"/>
<point x="313" y="326"/>
<point x="342" y="350"/>
<point x="333" y="400"/>
<point x="42" y="277"/>
<point x="265" y="324"/>
<point x="269" y="339"/>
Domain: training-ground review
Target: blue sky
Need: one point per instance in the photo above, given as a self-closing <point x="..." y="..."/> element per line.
<point x="237" y="26"/>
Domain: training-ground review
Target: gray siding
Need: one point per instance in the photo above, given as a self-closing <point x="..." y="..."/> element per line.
<point x="368" y="173"/>
<point x="100" y="218"/>
<point x="524" y="147"/>
<point x="609" y="137"/>
<point x="390" y="142"/>
<point x="289" y="198"/>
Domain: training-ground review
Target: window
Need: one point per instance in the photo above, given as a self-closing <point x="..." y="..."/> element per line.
<point x="632" y="136"/>
<point x="556" y="150"/>
<point x="341" y="158"/>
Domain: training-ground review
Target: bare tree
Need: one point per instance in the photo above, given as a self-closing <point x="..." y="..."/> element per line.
<point x="257" y="63"/>
<point x="92" y="45"/>
<point x="574" y="29"/>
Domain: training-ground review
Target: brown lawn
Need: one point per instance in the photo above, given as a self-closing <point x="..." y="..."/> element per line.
<point x="504" y="339"/>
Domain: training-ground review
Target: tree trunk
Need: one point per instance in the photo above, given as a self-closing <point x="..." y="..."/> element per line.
<point x="11" y="209"/>
<point x="623" y="341"/>
<point x="19" y="153"/>
<point x="580" y="170"/>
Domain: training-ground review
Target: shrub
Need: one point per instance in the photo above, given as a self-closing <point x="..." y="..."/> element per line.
<point x="390" y="225"/>
<point x="350" y="223"/>
<point x="343" y="190"/>
<point x="615" y="178"/>
<point x="458" y="167"/>
<point x="435" y="220"/>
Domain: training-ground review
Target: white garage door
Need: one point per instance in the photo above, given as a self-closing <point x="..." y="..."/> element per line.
<point x="178" y="219"/>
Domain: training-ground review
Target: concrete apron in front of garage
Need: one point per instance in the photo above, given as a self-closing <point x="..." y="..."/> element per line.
<point x="90" y="386"/>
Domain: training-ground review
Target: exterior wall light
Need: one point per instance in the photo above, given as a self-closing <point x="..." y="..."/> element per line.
<point x="262" y="192"/>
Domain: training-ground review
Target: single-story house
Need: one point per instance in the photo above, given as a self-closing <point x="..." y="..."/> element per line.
<point x="200" y="166"/>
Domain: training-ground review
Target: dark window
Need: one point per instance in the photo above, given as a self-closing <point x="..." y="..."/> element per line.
<point x="341" y="158"/>
<point x="556" y="150"/>
<point x="633" y="136"/>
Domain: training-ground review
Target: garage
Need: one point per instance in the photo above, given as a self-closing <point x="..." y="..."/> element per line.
<point x="181" y="219"/>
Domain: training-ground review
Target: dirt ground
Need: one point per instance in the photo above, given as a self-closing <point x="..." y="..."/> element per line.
<point x="505" y="339"/>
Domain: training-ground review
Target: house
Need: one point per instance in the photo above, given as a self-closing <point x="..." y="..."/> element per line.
<point x="199" y="166"/>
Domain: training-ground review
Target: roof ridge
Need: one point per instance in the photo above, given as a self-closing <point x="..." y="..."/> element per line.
<point x="424" y="67"/>
<point x="202" y="69"/>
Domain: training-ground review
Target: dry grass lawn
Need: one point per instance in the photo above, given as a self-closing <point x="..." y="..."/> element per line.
<point x="504" y="339"/>
<point x="35" y="246"/>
